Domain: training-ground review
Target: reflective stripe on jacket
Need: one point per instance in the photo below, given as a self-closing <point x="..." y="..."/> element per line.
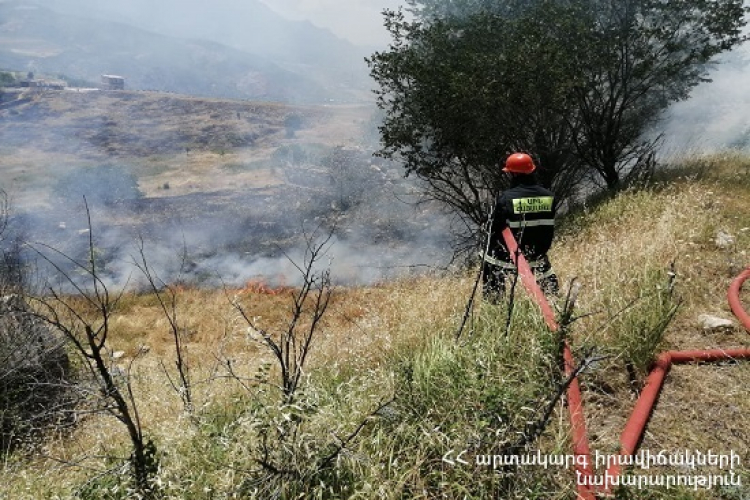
<point x="528" y="209"/>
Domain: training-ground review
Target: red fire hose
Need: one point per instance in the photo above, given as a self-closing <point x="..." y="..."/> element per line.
<point x="633" y="432"/>
<point x="734" y="298"/>
<point x="635" y="426"/>
<point x="575" y="401"/>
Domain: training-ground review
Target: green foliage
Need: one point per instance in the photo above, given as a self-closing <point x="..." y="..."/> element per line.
<point x="105" y="487"/>
<point x="640" y="56"/>
<point x="117" y="485"/>
<point x="7" y="79"/>
<point x="292" y="123"/>
<point x="477" y="396"/>
<point x="102" y="185"/>
<point x="382" y="433"/>
<point x="460" y="94"/>
<point x="639" y="307"/>
<point x="640" y="329"/>
<point x="578" y="84"/>
<point x="338" y="440"/>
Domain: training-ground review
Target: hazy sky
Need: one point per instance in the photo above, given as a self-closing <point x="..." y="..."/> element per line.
<point x="357" y="20"/>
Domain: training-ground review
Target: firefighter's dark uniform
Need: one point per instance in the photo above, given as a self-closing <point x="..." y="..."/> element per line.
<point x="529" y="210"/>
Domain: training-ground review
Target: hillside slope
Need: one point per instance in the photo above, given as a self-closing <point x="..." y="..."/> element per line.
<point x="38" y="39"/>
<point x="394" y="343"/>
<point x="696" y="222"/>
<point x="238" y="181"/>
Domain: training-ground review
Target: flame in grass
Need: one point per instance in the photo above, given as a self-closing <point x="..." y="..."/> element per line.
<point x="255" y="286"/>
<point x="181" y="287"/>
<point x="261" y="286"/>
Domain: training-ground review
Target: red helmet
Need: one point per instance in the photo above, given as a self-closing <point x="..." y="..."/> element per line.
<point x="519" y="163"/>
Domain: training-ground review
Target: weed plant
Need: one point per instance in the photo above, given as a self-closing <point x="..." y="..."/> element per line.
<point x="389" y="394"/>
<point x="397" y="422"/>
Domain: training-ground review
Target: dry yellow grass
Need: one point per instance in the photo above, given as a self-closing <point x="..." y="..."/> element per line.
<point x="608" y="250"/>
<point x="361" y="327"/>
<point x="702" y="407"/>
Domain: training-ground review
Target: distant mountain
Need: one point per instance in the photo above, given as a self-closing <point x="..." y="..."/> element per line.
<point x="247" y="25"/>
<point x="245" y="51"/>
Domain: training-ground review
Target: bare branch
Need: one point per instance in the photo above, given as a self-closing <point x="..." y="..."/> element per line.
<point x="168" y="306"/>
<point x="89" y="336"/>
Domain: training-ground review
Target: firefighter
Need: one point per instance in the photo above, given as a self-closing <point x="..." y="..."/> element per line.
<point x="529" y="210"/>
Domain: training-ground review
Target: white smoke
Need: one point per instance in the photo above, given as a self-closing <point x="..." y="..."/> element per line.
<point x="716" y="116"/>
<point x="376" y="241"/>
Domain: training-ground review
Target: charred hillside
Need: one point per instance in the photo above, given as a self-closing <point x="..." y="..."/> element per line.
<point x="141" y="124"/>
<point x="237" y="185"/>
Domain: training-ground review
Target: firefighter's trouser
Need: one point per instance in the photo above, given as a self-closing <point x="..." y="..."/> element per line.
<point x="496" y="270"/>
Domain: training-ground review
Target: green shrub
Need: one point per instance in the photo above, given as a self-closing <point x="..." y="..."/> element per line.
<point x="640" y="331"/>
<point x="34" y="369"/>
<point x="477" y="396"/>
<point x="7" y="79"/>
<point x="639" y="311"/>
<point x="102" y="185"/>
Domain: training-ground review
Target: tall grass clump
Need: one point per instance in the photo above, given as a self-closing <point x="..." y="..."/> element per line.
<point x="636" y="322"/>
<point x="629" y="253"/>
<point x="383" y="431"/>
<point x="468" y="400"/>
<point x="389" y="405"/>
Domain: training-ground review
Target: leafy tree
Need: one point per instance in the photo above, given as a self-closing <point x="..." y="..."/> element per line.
<point x="6" y="79"/>
<point x="577" y="83"/>
<point x="460" y="94"/>
<point x="292" y="123"/>
<point x="640" y="57"/>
